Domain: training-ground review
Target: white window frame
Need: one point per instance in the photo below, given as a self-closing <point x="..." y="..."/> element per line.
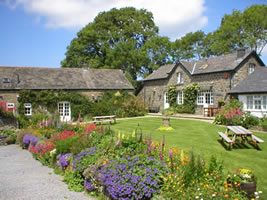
<point x="205" y="97"/>
<point x="256" y="102"/>
<point x="250" y="102"/>
<point x="251" y="68"/>
<point x="27" y="109"/>
<point x="180" y="97"/>
<point x="180" y="78"/>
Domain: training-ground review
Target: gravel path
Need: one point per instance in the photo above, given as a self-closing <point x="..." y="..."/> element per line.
<point x="24" y="178"/>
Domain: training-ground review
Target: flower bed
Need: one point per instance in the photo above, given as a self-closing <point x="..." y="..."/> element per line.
<point x="126" y="166"/>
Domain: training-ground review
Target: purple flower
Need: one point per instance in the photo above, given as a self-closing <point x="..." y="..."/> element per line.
<point x="88" y="185"/>
<point x="170" y="154"/>
<point x="63" y="159"/>
<point x="30" y="139"/>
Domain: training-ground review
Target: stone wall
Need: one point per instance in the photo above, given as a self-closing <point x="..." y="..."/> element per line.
<point x="8" y="123"/>
<point x="9" y="96"/>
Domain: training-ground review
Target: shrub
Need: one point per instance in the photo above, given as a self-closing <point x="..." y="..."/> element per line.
<point x="264" y="123"/>
<point x="74" y="180"/>
<point x="133" y="107"/>
<point x="249" y="120"/>
<point x="64" y="146"/>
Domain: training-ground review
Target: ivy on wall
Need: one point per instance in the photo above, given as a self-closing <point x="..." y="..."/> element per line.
<point x="190" y="96"/>
<point x="49" y="100"/>
<point x="172" y="95"/>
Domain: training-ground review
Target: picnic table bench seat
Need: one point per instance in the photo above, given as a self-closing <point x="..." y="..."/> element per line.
<point x="255" y="138"/>
<point x="226" y="138"/>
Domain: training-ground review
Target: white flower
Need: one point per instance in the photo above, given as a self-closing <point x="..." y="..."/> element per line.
<point x="198" y="188"/>
<point x="257" y="197"/>
<point x="197" y="197"/>
<point x="201" y="199"/>
<point x="53" y="152"/>
<point x="200" y="193"/>
<point x="256" y="193"/>
<point x="213" y="195"/>
<point x="260" y="192"/>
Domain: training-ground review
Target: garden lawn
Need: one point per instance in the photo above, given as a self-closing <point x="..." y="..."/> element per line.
<point x="203" y="138"/>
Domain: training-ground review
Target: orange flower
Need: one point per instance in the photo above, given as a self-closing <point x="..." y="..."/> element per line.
<point x="226" y="196"/>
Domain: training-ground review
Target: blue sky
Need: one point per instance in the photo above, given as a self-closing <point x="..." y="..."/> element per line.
<point x="37" y="32"/>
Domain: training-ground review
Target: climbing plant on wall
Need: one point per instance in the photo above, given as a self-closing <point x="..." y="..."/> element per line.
<point x="49" y="100"/>
<point x="172" y="95"/>
<point x="190" y="96"/>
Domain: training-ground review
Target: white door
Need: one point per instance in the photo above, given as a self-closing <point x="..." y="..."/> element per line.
<point x="166" y="100"/>
<point x="64" y="111"/>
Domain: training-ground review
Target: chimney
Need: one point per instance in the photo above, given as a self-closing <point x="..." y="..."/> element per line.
<point x="240" y="52"/>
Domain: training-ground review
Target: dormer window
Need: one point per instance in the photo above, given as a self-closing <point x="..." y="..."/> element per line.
<point x="180" y="78"/>
<point x="251" y="68"/>
<point x="6" y="80"/>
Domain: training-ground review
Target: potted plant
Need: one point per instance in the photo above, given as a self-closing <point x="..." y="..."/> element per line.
<point x="244" y="180"/>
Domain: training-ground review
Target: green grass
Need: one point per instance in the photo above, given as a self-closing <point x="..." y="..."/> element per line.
<point x="203" y="138"/>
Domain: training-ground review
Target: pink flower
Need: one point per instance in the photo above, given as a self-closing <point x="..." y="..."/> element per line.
<point x="163" y="142"/>
<point x="101" y="128"/>
<point x="155" y="147"/>
<point x="149" y="149"/>
<point x="160" y="155"/>
<point x="118" y="143"/>
<point x="170" y="154"/>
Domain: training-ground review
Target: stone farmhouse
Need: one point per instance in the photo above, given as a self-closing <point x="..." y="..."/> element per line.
<point x="216" y="76"/>
<point x="89" y="82"/>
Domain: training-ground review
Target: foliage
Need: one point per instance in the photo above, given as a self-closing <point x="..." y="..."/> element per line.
<point x="64" y="146"/>
<point x="46" y="101"/>
<point x="247" y="28"/>
<point x="74" y="180"/>
<point x="11" y="136"/>
<point x="172" y="95"/>
<point x="123" y="46"/>
<point x="249" y="120"/>
<point x="190" y="96"/>
<point x="121" y="104"/>
<point x="263" y="123"/>
<point x="133" y="107"/>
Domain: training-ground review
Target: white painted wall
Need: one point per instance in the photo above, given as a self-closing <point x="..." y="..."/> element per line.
<point x="256" y="113"/>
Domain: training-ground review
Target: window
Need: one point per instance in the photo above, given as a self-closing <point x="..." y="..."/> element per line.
<point x="10" y="107"/>
<point x="251" y="68"/>
<point x="180" y="78"/>
<point x="27" y="109"/>
<point x="6" y="80"/>
<point x="205" y="97"/>
<point x="257" y="102"/>
<point x="249" y="102"/>
<point x="180" y="97"/>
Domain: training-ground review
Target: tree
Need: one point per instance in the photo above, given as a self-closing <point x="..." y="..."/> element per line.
<point x="248" y="28"/>
<point x="116" y="39"/>
<point x="190" y="46"/>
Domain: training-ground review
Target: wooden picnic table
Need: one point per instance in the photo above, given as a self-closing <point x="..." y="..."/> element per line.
<point x="102" y="119"/>
<point x="239" y="131"/>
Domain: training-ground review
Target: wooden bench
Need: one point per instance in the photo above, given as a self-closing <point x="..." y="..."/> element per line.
<point x="226" y="138"/>
<point x="256" y="140"/>
<point x="101" y="119"/>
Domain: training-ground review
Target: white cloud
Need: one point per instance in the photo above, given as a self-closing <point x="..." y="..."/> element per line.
<point x="174" y="17"/>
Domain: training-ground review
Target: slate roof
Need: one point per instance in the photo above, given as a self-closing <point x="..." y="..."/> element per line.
<point x="254" y="83"/>
<point x="222" y="63"/>
<point x="161" y="73"/>
<point x="62" y="78"/>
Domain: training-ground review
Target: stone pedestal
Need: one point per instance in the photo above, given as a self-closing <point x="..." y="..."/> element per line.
<point x="165" y="121"/>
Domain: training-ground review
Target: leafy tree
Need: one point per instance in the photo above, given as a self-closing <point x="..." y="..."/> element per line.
<point x="117" y="39"/>
<point x="248" y="28"/>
